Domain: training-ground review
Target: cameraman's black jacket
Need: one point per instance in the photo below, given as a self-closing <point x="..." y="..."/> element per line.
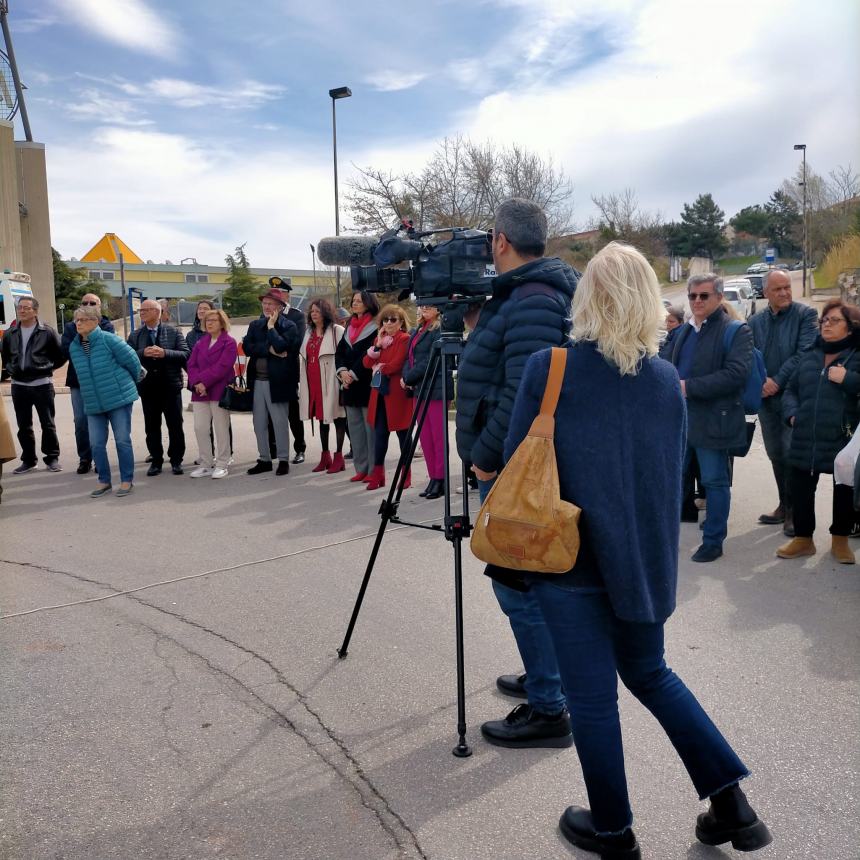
<point x="529" y="311"/>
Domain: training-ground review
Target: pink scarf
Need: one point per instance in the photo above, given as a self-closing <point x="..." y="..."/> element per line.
<point x="356" y="324"/>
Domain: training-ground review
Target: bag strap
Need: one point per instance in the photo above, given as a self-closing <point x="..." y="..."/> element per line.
<point x="544" y="423"/>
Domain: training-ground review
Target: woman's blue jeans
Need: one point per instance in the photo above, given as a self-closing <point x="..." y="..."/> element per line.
<point x="543" y="681"/>
<point x="119" y="420"/>
<point x="594" y="648"/>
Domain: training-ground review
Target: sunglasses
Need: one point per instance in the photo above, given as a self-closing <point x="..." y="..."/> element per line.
<point x="391" y="319"/>
<point x="702" y="297"/>
<point x="89" y="304"/>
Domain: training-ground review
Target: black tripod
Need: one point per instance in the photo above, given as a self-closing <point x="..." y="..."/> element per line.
<point x="455" y="527"/>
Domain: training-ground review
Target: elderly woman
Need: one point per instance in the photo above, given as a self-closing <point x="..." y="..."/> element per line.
<point x="210" y="370"/>
<point x="355" y="378"/>
<point x="674" y="320"/>
<point x="821" y="404"/>
<point x="619" y="436"/>
<point x="108" y="370"/>
<point x="319" y="390"/>
<point x="389" y="408"/>
<point x="418" y="355"/>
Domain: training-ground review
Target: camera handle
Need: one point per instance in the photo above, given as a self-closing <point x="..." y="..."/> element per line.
<point x="455" y="527"/>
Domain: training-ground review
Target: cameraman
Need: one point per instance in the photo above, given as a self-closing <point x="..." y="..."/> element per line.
<point x="529" y="311"/>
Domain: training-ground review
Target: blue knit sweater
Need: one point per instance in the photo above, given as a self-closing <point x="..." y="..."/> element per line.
<point x="108" y="375"/>
<point x="619" y="442"/>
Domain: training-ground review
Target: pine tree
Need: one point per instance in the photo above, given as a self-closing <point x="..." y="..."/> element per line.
<point x="241" y="297"/>
<point x="785" y="225"/>
<point x="700" y="233"/>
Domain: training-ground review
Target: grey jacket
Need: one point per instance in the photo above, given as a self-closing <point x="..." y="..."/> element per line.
<point x="783" y="337"/>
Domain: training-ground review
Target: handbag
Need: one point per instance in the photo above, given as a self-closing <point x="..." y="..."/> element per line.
<point x="524" y="524"/>
<point x="237" y="397"/>
<point x="743" y="450"/>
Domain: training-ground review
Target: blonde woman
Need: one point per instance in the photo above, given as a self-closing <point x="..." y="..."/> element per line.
<point x="619" y="440"/>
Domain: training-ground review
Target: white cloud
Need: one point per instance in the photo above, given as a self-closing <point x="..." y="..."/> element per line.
<point x="390" y="81"/>
<point x="130" y="23"/>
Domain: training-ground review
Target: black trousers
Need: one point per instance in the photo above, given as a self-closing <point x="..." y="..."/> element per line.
<point x="41" y="397"/>
<point x="803" y="485"/>
<point x="381" y="434"/>
<point x="158" y="401"/>
<point x="340" y="432"/>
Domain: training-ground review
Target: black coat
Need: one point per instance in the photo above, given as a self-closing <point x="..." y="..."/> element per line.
<point x="783" y="337"/>
<point x="161" y="372"/>
<point x="70" y="332"/>
<point x="715" y="409"/>
<point x="421" y="343"/>
<point x="825" y="413"/>
<point x="194" y="335"/>
<point x="350" y="357"/>
<point x="44" y="353"/>
<point x="529" y="310"/>
<point x="283" y="372"/>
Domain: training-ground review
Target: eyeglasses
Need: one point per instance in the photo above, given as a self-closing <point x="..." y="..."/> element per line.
<point x="832" y="320"/>
<point x="89" y="304"/>
<point x="391" y="319"/>
<point x="702" y="297"/>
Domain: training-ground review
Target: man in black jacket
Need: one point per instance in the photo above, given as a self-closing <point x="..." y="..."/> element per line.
<point x="297" y="426"/>
<point x="163" y="352"/>
<point x="31" y="353"/>
<point x="782" y="331"/>
<point x="529" y="311"/>
<point x="712" y="380"/>
<point x="82" y="433"/>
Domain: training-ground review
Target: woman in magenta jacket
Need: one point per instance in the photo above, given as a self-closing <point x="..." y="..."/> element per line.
<point x="210" y="369"/>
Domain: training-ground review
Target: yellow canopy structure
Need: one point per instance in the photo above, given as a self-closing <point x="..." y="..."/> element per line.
<point x="108" y="249"/>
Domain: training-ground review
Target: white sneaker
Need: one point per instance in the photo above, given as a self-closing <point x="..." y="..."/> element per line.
<point x="230" y="461"/>
<point x="202" y="472"/>
<point x="219" y="473"/>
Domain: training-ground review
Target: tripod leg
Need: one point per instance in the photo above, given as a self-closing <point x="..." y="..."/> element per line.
<point x="462" y="750"/>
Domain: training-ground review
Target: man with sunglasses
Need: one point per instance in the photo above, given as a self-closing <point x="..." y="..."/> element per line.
<point x="782" y="331"/>
<point x="712" y="380"/>
<point x="82" y="433"/>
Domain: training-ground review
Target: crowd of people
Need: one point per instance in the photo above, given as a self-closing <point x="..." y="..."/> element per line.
<point x="651" y="404"/>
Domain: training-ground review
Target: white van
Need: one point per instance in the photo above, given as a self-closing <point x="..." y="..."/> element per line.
<point x="13" y="286"/>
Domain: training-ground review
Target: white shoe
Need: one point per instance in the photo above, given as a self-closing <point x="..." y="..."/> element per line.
<point x="230" y="462"/>
<point x="219" y="473"/>
<point x="202" y="472"/>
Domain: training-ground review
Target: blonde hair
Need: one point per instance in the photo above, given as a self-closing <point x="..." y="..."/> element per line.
<point x="225" y="320"/>
<point x="389" y="310"/>
<point x="617" y="304"/>
<point x="436" y="323"/>
<point x="731" y="310"/>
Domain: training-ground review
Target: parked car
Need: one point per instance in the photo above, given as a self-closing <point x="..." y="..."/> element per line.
<point x="783" y="266"/>
<point x="738" y="292"/>
<point x="757" y="268"/>
<point x="757" y="283"/>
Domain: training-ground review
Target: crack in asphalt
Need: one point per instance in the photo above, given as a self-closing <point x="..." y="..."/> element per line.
<point x="349" y="769"/>
<point x="165" y="710"/>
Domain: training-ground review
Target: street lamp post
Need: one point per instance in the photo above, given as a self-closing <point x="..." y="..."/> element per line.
<point x="314" y="261"/>
<point x="337" y="93"/>
<point x="802" y="147"/>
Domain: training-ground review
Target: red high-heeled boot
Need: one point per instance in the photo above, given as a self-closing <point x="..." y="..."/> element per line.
<point x="358" y="476"/>
<point x="324" y="463"/>
<point x="377" y="478"/>
<point x="408" y="482"/>
<point x="337" y="464"/>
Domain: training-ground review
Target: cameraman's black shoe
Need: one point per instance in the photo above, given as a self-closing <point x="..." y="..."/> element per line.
<point x="262" y="466"/>
<point x="512" y="685"/>
<point x="577" y="827"/>
<point x="732" y="819"/>
<point x="525" y="727"/>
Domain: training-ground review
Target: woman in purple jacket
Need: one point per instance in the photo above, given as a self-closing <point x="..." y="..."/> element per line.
<point x="210" y="369"/>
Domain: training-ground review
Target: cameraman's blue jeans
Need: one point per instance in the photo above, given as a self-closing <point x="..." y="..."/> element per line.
<point x="714" y="468"/>
<point x="543" y="681"/>
<point x="594" y="648"/>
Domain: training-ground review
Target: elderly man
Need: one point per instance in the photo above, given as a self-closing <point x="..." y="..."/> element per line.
<point x="782" y="331"/>
<point x="31" y="353"/>
<point x="163" y="352"/>
<point x="712" y="380"/>
<point x="82" y="436"/>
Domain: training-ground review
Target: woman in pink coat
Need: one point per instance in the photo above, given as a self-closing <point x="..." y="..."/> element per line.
<point x="210" y="370"/>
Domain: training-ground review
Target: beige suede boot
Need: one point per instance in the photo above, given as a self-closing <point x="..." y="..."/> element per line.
<point x="840" y="550"/>
<point x="797" y="547"/>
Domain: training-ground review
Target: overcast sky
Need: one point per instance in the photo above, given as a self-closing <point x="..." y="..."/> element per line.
<point x="192" y="127"/>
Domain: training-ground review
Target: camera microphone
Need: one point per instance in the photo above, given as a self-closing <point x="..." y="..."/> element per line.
<point x="347" y="250"/>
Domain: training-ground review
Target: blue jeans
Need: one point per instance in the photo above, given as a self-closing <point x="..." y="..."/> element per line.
<point x="120" y="422"/>
<point x="543" y="680"/>
<point x="714" y="468"/>
<point x="82" y="435"/>
<point x="594" y="648"/>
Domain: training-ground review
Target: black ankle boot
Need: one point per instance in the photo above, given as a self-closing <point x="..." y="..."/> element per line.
<point x="435" y="490"/>
<point x="732" y="819"/>
<point x="427" y="489"/>
<point x="577" y="827"/>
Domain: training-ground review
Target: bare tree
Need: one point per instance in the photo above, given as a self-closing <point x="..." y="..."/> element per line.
<point x="845" y="185"/>
<point x="622" y="218"/>
<point x="462" y="185"/>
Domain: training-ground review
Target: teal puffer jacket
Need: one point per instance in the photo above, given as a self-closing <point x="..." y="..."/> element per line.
<point x="108" y="375"/>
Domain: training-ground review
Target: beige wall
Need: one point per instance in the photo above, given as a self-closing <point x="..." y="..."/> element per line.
<point x="36" y="226"/>
<point x="11" y="256"/>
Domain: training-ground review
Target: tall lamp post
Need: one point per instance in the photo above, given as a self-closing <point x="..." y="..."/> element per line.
<point x="802" y="147"/>
<point x="314" y="261"/>
<point x="337" y="93"/>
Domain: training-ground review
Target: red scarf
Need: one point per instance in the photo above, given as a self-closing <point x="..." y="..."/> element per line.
<point x="356" y="324"/>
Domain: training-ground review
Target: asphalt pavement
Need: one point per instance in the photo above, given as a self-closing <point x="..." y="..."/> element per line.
<point x="210" y="717"/>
